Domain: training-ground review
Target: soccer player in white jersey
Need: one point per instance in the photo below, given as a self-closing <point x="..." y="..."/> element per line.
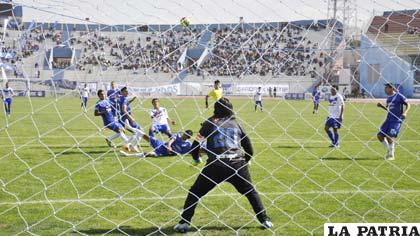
<point x="258" y="99"/>
<point x="335" y="116"/>
<point x="84" y="93"/>
<point x="160" y="119"/>
<point x="7" y="94"/>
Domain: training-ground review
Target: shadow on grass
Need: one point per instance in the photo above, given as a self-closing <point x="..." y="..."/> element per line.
<point x="347" y="159"/>
<point x="84" y="151"/>
<point x="155" y="231"/>
<point x="298" y="147"/>
<point x="52" y="146"/>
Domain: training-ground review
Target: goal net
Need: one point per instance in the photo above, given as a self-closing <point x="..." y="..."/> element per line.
<point x="58" y="176"/>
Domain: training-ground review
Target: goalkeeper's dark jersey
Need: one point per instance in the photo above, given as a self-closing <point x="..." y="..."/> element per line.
<point x="223" y="138"/>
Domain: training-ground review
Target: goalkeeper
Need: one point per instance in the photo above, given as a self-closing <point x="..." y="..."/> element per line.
<point x="226" y="162"/>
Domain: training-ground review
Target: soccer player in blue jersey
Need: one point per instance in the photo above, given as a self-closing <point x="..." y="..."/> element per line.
<point x="335" y="116"/>
<point x="127" y="119"/>
<point x="395" y="115"/>
<point x="113" y="96"/>
<point x="7" y="94"/>
<point x="316" y="96"/>
<point x="103" y="109"/>
<point x="178" y="144"/>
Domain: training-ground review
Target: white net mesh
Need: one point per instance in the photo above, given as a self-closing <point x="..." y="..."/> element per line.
<point x="58" y="176"/>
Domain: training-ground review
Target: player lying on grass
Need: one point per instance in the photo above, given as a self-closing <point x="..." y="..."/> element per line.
<point x="103" y="108"/>
<point x="395" y="115"/>
<point x="127" y="119"/>
<point x="335" y="116"/>
<point x="178" y="144"/>
<point x="226" y="162"/>
<point x="160" y="119"/>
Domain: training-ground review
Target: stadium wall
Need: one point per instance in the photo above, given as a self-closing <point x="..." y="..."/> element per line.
<point x="379" y="66"/>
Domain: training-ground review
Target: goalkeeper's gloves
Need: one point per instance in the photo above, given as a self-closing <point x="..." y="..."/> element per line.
<point x="197" y="162"/>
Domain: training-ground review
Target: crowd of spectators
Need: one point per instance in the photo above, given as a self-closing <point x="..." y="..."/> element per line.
<point x="264" y="51"/>
<point x="286" y="50"/>
<point x="156" y="52"/>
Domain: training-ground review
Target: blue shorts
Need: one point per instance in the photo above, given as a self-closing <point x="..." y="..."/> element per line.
<point x="390" y="128"/>
<point x="84" y="100"/>
<point x="161" y="128"/>
<point x="158" y="146"/>
<point x="317" y="101"/>
<point x="333" y="123"/>
<point x="114" y="126"/>
<point x="8" y="101"/>
<point x="258" y="103"/>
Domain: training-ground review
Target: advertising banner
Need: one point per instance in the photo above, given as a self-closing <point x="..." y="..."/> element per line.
<point x="164" y="89"/>
<point x="32" y="93"/>
<point x="250" y="89"/>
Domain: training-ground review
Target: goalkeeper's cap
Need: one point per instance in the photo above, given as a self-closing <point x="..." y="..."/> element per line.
<point x="223" y="108"/>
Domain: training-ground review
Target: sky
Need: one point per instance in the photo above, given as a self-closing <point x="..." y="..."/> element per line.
<point x="113" y="12"/>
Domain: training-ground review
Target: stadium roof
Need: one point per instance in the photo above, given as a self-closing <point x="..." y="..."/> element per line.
<point x="112" y="12"/>
<point x="402" y="12"/>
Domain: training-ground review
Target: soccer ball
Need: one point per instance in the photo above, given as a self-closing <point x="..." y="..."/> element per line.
<point x="184" y="22"/>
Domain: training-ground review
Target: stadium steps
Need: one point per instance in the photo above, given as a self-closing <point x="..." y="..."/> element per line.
<point x="318" y="37"/>
<point x="401" y="44"/>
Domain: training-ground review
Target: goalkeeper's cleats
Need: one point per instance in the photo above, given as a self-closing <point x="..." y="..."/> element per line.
<point x="267" y="224"/>
<point x="182" y="228"/>
<point x="197" y="162"/>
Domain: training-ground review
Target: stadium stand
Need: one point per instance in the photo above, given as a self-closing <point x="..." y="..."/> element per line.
<point x="290" y="49"/>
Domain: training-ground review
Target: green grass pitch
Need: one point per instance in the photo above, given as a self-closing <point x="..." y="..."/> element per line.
<point x="59" y="177"/>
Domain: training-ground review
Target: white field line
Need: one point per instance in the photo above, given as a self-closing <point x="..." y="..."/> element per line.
<point x="209" y="195"/>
